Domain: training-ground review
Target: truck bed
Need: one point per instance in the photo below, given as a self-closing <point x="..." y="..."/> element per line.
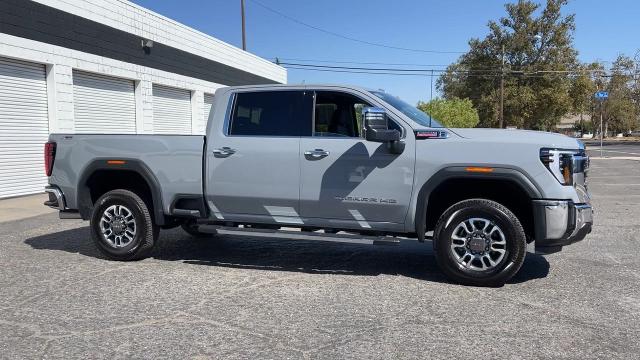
<point x="174" y="160"/>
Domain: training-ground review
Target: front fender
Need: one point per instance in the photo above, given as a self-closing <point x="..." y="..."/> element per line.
<point x="498" y="172"/>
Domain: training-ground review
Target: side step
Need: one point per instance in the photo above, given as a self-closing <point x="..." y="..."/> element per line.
<point x="186" y="212"/>
<point x="300" y="235"/>
<point x="69" y="214"/>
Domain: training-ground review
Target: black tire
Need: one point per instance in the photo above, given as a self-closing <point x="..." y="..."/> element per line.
<point x="146" y="232"/>
<point x="499" y="216"/>
<point x="192" y="229"/>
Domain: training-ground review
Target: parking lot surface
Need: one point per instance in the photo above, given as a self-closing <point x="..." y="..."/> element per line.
<point x="248" y="297"/>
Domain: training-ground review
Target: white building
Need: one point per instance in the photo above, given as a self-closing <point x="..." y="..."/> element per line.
<point x="104" y="66"/>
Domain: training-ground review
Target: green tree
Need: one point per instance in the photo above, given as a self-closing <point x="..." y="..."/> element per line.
<point x="583" y="86"/>
<point x="620" y="112"/>
<point x="453" y="113"/>
<point x="538" y="49"/>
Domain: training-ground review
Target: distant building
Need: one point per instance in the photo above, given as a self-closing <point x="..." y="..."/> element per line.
<point x="570" y="124"/>
<point x="104" y="66"/>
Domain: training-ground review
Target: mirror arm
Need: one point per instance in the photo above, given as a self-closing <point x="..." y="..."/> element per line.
<point x="396" y="147"/>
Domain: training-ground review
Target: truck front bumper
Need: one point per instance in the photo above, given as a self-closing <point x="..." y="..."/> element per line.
<point x="559" y="223"/>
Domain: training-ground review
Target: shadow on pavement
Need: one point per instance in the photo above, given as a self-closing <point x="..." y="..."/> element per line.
<point x="409" y="258"/>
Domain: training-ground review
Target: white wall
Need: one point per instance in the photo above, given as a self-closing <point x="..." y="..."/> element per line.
<point x="134" y="19"/>
<point x="60" y="65"/>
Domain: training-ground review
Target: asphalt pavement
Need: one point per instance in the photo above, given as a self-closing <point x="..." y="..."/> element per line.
<point x="247" y="297"/>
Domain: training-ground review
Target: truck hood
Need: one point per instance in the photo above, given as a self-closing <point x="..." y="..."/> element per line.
<point x="544" y="139"/>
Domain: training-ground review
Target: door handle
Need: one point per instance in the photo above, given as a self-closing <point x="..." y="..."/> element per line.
<point x="224" y="151"/>
<point x="317" y="153"/>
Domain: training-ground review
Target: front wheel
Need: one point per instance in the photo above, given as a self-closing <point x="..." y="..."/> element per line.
<point x="479" y="242"/>
<point x="122" y="227"/>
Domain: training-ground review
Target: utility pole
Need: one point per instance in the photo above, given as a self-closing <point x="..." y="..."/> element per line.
<point x="502" y="91"/>
<point x="431" y="96"/>
<point x="244" y="38"/>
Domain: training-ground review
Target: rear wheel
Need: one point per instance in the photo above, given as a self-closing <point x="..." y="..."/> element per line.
<point x="479" y="242"/>
<point x="121" y="226"/>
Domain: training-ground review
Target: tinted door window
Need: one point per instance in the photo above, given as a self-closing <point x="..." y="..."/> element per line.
<point x="338" y="114"/>
<point x="271" y="113"/>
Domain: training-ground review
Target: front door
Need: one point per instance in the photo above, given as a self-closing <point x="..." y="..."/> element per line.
<point x="253" y="168"/>
<point x="346" y="178"/>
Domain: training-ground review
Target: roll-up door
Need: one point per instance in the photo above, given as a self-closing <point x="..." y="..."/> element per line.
<point x="24" y="127"/>
<point x="103" y="104"/>
<point x="171" y="110"/>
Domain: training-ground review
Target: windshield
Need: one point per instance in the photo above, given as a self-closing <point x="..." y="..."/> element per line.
<point x="409" y="110"/>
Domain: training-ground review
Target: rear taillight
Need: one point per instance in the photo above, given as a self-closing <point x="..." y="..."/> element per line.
<point x="49" y="156"/>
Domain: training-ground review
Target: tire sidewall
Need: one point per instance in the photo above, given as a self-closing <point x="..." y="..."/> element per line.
<point x="516" y="243"/>
<point x="113" y="198"/>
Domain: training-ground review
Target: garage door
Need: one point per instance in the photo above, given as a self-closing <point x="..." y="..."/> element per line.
<point x="24" y="127"/>
<point x="171" y="110"/>
<point x="103" y="104"/>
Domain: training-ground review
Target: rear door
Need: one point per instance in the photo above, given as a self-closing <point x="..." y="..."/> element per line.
<point x="253" y="169"/>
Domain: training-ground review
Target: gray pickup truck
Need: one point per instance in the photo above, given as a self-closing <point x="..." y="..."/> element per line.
<point x="336" y="163"/>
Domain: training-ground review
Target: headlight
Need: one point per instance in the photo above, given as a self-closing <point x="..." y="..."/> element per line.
<point x="562" y="163"/>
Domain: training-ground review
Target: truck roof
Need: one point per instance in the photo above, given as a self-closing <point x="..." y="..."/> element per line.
<point x="301" y="86"/>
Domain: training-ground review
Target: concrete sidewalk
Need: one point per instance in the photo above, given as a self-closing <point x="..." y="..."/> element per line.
<point x="23" y="207"/>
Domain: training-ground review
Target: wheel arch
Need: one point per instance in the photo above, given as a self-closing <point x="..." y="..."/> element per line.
<point x="498" y="174"/>
<point x="119" y="168"/>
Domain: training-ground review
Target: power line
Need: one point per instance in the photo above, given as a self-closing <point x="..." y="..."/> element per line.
<point x="487" y="71"/>
<point x="408" y="70"/>
<point x="354" y="71"/>
<point x="354" y="67"/>
<point x="356" y="62"/>
<point x="349" y="37"/>
<point x="325" y="61"/>
<point x="278" y="61"/>
<point x="427" y="72"/>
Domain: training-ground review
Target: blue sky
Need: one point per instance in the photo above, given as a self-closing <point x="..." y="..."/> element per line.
<point x="603" y="30"/>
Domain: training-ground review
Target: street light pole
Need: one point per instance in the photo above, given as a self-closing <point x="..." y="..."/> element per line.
<point x="502" y="91"/>
<point x="244" y="38"/>
<point x="601" y="133"/>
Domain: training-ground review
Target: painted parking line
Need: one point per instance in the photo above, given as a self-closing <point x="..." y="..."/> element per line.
<point x="617" y="151"/>
<point x="615" y="158"/>
<point x="604" y="184"/>
<point x="613" y="176"/>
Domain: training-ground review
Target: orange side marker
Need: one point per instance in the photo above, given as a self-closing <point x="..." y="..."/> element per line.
<point x="479" y="169"/>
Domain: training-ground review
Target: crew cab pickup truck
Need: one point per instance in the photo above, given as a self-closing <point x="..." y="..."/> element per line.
<point x="330" y="162"/>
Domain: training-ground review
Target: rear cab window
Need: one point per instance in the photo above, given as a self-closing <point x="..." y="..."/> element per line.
<point x="271" y="113"/>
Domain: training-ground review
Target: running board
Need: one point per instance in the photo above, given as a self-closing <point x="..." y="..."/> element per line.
<point x="186" y="212"/>
<point x="300" y="235"/>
